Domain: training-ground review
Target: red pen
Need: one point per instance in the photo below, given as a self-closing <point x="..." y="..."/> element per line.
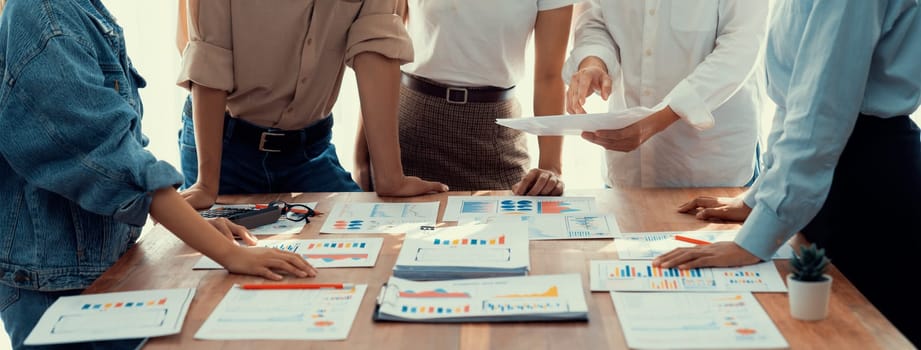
<point x="298" y="286"/>
<point x="691" y="240"/>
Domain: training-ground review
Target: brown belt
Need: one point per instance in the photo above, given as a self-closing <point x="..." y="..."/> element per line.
<point x="459" y="95"/>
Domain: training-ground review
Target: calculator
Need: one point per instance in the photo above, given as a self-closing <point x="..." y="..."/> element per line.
<point x="246" y="217"/>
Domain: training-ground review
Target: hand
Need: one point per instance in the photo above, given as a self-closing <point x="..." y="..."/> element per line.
<point x="199" y="196"/>
<point x="591" y="77"/>
<point x="631" y="137"/>
<point x="723" y="208"/>
<point x="231" y="230"/>
<point x="539" y="182"/>
<point x="719" y="254"/>
<point x="409" y="186"/>
<point x="267" y="262"/>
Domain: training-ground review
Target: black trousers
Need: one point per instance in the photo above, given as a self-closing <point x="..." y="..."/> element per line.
<point x="870" y="225"/>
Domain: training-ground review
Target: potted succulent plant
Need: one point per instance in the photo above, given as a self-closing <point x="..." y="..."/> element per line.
<point x="809" y="287"/>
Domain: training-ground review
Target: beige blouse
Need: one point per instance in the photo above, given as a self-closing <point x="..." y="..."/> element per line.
<point x="281" y="62"/>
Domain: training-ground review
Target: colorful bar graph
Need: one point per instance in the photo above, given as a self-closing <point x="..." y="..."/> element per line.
<point x="436" y="293"/>
<point x="500" y="240"/>
<point x="123" y="304"/>
<point x="412" y="309"/>
<point x="555" y="207"/>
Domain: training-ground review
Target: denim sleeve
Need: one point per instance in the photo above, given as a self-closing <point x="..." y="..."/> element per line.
<point x="67" y="133"/>
<point x="829" y="72"/>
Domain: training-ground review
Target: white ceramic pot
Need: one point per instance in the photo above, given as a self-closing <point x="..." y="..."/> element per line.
<point x="809" y="300"/>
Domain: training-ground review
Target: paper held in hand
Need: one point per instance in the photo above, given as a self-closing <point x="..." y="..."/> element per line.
<point x="575" y="124"/>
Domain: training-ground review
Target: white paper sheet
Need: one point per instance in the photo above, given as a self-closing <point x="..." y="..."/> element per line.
<point x="497" y="245"/>
<point x="575" y="124"/>
<point x="640" y="276"/>
<point x="111" y="316"/>
<point x="281" y="227"/>
<point x="506" y="298"/>
<point x="648" y="245"/>
<point x="300" y="314"/>
<point x="559" y="226"/>
<point x="380" y="217"/>
<point x="321" y="253"/>
<point x="482" y="206"/>
<point x="695" y="321"/>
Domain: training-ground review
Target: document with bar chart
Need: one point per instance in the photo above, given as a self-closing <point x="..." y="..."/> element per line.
<point x="501" y="299"/>
<point x="281" y="227"/>
<point x="560" y="226"/>
<point x="483" y="206"/>
<point x="695" y="321"/>
<point x="379" y="217"/>
<point x="641" y="276"/>
<point x="111" y="316"/>
<point x="294" y="314"/>
<point x="321" y="253"/>
<point x="648" y="245"/>
<point x="465" y="251"/>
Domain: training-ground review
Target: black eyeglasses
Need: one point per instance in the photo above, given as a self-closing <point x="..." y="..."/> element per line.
<point x="294" y="212"/>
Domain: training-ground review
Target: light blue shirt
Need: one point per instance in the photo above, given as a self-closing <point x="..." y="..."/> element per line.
<point x="827" y="61"/>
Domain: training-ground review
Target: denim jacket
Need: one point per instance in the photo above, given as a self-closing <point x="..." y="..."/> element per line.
<point x="75" y="178"/>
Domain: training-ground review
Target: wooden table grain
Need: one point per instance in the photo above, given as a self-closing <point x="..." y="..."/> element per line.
<point x="160" y="261"/>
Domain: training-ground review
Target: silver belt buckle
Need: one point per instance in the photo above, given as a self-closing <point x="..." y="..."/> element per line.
<point x="448" y="95"/>
<point x="262" y="141"/>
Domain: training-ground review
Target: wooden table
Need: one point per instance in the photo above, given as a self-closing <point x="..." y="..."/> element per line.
<point x="161" y="261"/>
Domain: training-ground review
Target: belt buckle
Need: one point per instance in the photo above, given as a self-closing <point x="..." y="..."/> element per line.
<point x="262" y="141"/>
<point x="448" y="95"/>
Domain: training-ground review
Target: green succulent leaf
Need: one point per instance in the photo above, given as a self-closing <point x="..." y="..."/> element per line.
<point x="810" y="264"/>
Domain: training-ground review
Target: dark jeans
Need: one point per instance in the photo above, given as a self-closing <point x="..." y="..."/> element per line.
<point x="869" y="224"/>
<point x="22" y="308"/>
<point x="245" y="169"/>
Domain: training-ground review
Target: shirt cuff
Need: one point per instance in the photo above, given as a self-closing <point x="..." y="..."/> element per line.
<point x="749" y="197"/>
<point x="580" y="53"/>
<point x="554" y="4"/>
<point x="207" y="65"/>
<point x="380" y="33"/>
<point x="685" y="101"/>
<point x="762" y="234"/>
<point x="134" y="210"/>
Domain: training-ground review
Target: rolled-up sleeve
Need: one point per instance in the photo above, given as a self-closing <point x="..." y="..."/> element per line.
<point x="592" y="38"/>
<point x="379" y="28"/>
<point x="739" y="43"/>
<point x="78" y="138"/>
<point x="208" y="57"/>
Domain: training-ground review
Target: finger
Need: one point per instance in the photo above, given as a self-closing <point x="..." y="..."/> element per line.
<point x="699" y="202"/>
<point x="221" y="225"/>
<point x="527" y="182"/>
<point x="558" y="190"/>
<point x="433" y="186"/>
<point x="571" y="93"/>
<point x="281" y="264"/>
<point x="676" y="257"/>
<point x="713" y="213"/>
<point x="268" y="274"/>
<point x="298" y="262"/>
<point x="584" y="90"/>
<point x="606" y="86"/>
<point x="244" y="234"/>
<point x="549" y="186"/>
<point x="539" y="184"/>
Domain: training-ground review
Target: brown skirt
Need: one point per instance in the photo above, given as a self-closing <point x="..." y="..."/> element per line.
<point x="461" y="145"/>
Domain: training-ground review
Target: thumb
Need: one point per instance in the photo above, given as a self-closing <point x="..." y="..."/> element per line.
<point x="711" y="213"/>
<point x="434" y="186"/>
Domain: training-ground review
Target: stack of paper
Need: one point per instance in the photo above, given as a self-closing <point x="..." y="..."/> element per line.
<point x="507" y="299"/>
<point x="111" y="316"/>
<point x="379" y="217"/>
<point x="641" y="276"/>
<point x="296" y="313"/>
<point x="695" y="321"/>
<point x="559" y="226"/>
<point x="321" y="253"/>
<point x="465" y="251"/>
<point x="649" y="245"/>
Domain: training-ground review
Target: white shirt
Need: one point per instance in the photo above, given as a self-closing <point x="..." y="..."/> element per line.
<point x="473" y="42"/>
<point x="698" y="56"/>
